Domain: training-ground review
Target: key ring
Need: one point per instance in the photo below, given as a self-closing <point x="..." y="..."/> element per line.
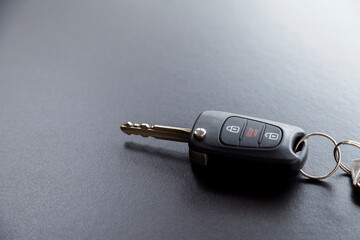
<point x="353" y="143"/>
<point x="337" y="155"/>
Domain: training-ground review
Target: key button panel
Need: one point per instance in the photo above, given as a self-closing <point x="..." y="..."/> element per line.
<point x="248" y="133"/>
<point x="231" y="130"/>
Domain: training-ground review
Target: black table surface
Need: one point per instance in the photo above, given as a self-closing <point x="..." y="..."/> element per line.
<point x="72" y="71"/>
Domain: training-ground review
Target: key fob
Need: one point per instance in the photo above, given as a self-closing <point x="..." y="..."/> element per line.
<point x="222" y="139"/>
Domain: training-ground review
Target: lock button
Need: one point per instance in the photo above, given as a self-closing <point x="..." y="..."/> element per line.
<point x="231" y="130"/>
<point x="271" y="137"/>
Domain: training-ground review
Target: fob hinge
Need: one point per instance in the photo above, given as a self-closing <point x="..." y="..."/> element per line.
<point x="198" y="158"/>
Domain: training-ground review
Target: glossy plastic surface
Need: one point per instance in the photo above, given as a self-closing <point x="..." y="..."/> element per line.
<point x="280" y="159"/>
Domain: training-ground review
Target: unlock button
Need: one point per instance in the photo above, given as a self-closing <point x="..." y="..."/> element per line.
<point x="271" y="137"/>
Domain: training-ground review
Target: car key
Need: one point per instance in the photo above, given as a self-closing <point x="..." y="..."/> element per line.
<point x="226" y="138"/>
<point x="355" y="173"/>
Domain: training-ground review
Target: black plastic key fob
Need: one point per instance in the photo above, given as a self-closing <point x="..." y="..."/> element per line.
<point x="226" y="139"/>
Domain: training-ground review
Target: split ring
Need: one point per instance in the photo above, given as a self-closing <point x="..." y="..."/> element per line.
<point x="337" y="155"/>
<point x="353" y="143"/>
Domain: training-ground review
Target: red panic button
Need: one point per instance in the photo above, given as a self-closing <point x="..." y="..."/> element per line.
<point x="252" y="134"/>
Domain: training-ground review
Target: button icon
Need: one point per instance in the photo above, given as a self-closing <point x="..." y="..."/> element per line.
<point x="252" y="132"/>
<point x="233" y="129"/>
<point x="272" y="136"/>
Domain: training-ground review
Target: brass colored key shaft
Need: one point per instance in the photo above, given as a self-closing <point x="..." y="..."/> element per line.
<point x="157" y="131"/>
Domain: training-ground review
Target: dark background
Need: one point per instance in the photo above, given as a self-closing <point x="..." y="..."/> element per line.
<point x="72" y="71"/>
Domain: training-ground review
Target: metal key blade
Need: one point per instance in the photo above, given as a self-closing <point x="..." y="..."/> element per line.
<point x="157" y="131"/>
<point x="355" y="173"/>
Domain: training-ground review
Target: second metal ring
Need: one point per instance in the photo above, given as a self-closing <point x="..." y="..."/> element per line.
<point x="353" y="143"/>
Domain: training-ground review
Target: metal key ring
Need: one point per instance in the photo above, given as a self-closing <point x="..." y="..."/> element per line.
<point x="336" y="156"/>
<point x="353" y="143"/>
